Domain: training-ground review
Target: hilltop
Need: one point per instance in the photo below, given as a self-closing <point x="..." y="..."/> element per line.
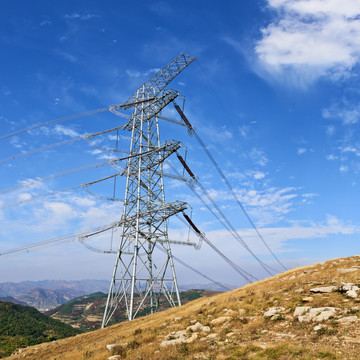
<point x="22" y="326"/>
<point x="306" y="313"/>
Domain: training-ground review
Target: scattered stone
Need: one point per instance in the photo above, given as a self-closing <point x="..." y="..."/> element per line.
<point x="284" y="336"/>
<point x="198" y="327"/>
<point x="273" y="311"/>
<point x="344" y="271"/>
<point x="212" y="336"/>
<point x="242" y="312"/>
<point x="301" y="310"/>
<point x="220" y="320"/>
<point x="184" y="336"/>
<point x="319" y="327"/>
<point x="115" y="357"/>
<point x="292" y="277"/>
<point x="178" y="338"/>
<point x="117" y="349"/>
<point x="201" y="356"/>
<point x="230" y="334"/>
<point x="264" y="332"/>
<point x="324" y="289"/>
<point x="231" y="313"/>
<point x="299" y="291"/>
<point x="347" y="320"/>
<point x="177" y="319"/>
<point x="308" y="299"/>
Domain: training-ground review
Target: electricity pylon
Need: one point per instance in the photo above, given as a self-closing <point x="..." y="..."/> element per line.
<point x="142" y="272"/>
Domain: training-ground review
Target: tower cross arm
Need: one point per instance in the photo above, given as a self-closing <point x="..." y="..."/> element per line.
<point x="159" y="80"/>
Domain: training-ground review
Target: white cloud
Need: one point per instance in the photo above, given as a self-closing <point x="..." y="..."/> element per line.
<point x="310" y="39"/>
<point x="258" y="175"/>
<point x="14" y="141"/>
<point x="331" y="226"/>
<point x="301" y="151"/>
<point x="83" y="16"/>
<point x="133" y="73"/>
<point x="277" y="237"/>
<point x="67" y="56"/>
<point x="348" y="113"/>
<point x="62" y="130"/>
<point x="258" y="157"/>
<point x="331" y="157"/>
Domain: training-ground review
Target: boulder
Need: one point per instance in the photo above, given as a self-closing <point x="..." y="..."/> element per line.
<point x="314" y="314"/>
<point x="347" y="320"/>
<point x="198" y="327"/>
<point x="273" y="311"/>
<point x="220" y="320"/>
<point x="324" y="289"/>
<point x="350" y="289"/>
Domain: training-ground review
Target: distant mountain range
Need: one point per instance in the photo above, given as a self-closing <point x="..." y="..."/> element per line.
<point x="48" y="294"/>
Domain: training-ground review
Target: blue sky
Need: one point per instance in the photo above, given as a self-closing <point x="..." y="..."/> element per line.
<point x="273" y="94"/>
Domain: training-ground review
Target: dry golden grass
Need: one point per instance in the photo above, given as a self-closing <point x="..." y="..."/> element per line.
<point x="245" y="335"/>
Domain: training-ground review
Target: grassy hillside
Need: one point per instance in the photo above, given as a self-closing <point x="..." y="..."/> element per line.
<point x="86" y="312"/>
<point x="22" y="326"/>
<point x="284" y="317"/>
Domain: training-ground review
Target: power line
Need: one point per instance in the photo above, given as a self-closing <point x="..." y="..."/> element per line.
<point x="225" y="221"/>
<point x="196" y="271"/>
<point x="54" y="176"/>
<point x="237" y="268"/>
<point x="51" y="193"/>
<point x="236" y="198"/>
<point x="50" y="122"/>
<point x="217" y="167"/>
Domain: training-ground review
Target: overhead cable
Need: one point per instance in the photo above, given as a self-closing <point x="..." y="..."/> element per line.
<point x="194" y="270"/>
<point x="217" y="167"/>
<point x="225" y="222"/>
<point x="237" y="268"/>
<point x="50" y="122"/>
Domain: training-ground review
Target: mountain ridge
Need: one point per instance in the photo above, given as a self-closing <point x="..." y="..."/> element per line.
<point x="310" y="312"/>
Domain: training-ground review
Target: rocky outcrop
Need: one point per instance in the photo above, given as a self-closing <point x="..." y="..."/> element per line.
<point x="184" y="336"/>
<point x="324" y="289"/>
<point x="306" y="314"/>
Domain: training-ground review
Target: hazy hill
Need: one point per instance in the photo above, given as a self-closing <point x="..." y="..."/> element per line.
<point x="22" y="326"/>
<point x="47" y="294"/>
<point x="86" y="312"/>
<point x="306" y="313"/>
<point x="12" y="300"/>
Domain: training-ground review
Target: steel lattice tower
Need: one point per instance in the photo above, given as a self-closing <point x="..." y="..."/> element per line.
<point x="144" y="268"/>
